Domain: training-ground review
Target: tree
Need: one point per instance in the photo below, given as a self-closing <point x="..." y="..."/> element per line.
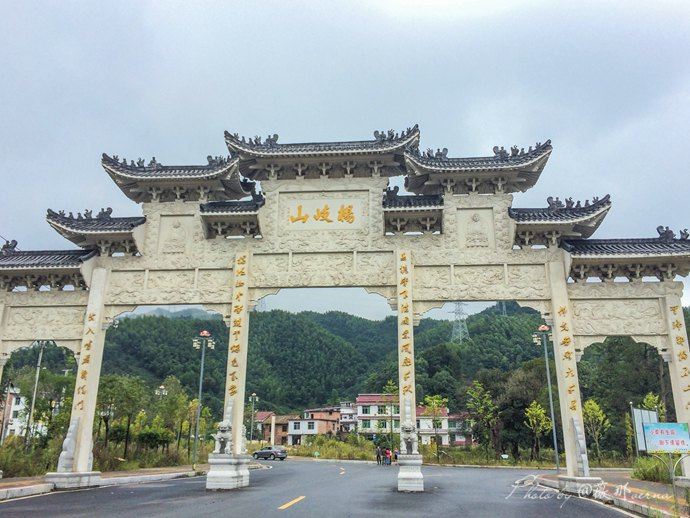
<point x="434" y="407"/>
<point x="596" y="423"/>
<point x="483" y="412"/>
<point x="539" y="423"/>
<point x="652" y="401"/>
<point x="629" y="437"/>
<point x="391" y="389"/>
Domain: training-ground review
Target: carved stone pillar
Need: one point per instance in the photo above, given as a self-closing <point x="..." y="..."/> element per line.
<point x="410" y="474"/>
<point x="4" y="356"/>
<point x="679" y="363"/>
<point x="577" y="464"/>
<point x="76" y="459"/>
<point x="231" y="471"/>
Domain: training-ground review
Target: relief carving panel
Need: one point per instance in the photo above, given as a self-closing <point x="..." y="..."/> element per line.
<point x="476" y="228"/>
<point x="528" y="281"/>
<point x="618" y="317"/>
<point x="269" y="270"/>
<point x="375" y="268"/>
<point x="44" y="323"/>
<point x="322" y="269"/>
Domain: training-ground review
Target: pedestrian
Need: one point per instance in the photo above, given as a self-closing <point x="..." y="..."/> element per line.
<point x="395" y="457"/>
<point x="388" y="456"/>
<point x="378" y="455"/>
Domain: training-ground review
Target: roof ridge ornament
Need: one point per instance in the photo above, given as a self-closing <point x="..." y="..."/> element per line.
<point x="556" y="203"/>
<point x="665" y="234"/>
<point x="8" y="248"/>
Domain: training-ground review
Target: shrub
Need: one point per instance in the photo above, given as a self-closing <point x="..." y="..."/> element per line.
<point x="652" y="469"/>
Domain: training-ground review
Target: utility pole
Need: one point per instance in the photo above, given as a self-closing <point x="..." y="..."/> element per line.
<point x="202" y="342"/>
<point x="42" y="344"/>
<point x="253" y="399"/>
<point x="543" y="337"/>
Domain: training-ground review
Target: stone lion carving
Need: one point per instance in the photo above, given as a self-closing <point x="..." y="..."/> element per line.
<point x="223" y="437"/>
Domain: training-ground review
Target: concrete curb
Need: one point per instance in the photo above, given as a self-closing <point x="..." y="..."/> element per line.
<point x="614" y="501"/>
<point x="140" y="479"/>
<point x="19" y="492"/>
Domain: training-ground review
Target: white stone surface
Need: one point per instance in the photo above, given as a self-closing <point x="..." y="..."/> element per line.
<point x="227" y="471"/>
<point x="410" y="476"/>
<point x="74" y="480"/>
<point x="582" y="486"/>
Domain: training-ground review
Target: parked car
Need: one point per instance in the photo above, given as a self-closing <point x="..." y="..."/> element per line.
<point x="271" y="452"/>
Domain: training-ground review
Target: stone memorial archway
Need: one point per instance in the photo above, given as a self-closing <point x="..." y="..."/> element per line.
<point x="326" y="216"/>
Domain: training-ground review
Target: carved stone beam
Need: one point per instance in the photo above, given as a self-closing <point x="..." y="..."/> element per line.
<point x="376" y="166"/>
<point x="300" y="169"/>
<point x="324" y="167"/>
<point x="219" y="227"/>
<point x="580" y="272"/>
<point x="668" y="272"/>
<point x="349" y="167"/>
<point x="104" y="247"/>
<point x="399" y="223"/>
<point x="473" y="184"/>
<point x="203" y="193"/>
<point x="635" y="272"/>
<point x="155" y="193"/>
<point x="448" y="184"/>
<point x="179" y="192"/>
<point x="273" y="171"/>
<point x="553" y="236"/>
<point x="499" y="184"/>
<point x="428" y="223"/>
<point x="526" y="237"/>
<point x="248" y="227"/>
<point x="608" y="272"/>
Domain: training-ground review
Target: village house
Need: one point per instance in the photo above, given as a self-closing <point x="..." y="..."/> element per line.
<point x="314" y="421"/>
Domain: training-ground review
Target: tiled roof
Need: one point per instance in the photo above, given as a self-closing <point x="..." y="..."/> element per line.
<point x="626" y="247"/>
<point x="559" y="214"/>
<point x="441" y="163"/>
<point x="385" y="142"/>
<point x="391" y="200"/>
<point x="233" y="206"/>
<point x="262" y="415"/>
<point x="94" y="224"/>
<point x="156" y="171"/>
<point x="283" y="419"/>
<point x="365" y="399"/>
<point x="18" y="260"/>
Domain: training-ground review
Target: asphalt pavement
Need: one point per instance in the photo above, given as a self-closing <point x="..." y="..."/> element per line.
<point x="308" y="488"/>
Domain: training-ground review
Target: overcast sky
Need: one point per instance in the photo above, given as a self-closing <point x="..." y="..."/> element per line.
<point x="608" y="82"/>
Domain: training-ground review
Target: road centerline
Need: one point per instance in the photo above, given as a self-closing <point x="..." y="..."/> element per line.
<point x="290" y="503"/>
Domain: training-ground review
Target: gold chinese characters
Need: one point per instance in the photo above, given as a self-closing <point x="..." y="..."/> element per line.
<point x="346" y="214"/>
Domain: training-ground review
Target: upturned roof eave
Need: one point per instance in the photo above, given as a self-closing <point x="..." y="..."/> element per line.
<point x="283" y="150"/>
<point x="534" y="165"/>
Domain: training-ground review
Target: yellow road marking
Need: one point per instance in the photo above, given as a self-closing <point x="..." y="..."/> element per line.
<point x="291" y="502"/>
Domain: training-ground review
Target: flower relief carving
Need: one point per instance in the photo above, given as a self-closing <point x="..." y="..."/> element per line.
<point x="618" y="317"/>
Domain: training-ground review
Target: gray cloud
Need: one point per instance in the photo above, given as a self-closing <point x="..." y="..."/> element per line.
<point x="608" y="82"/>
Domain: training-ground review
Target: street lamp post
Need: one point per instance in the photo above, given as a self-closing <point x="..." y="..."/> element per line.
<point x="543" y="337"/>
<point x="203" y="341"/>
<point x="253" y="399"/>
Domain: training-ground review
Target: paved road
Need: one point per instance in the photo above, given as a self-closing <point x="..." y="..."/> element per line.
<point x="328" y="489"/>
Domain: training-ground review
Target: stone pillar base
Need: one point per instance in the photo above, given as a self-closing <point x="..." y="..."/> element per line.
<point x="410" y="476"/>
<point x="227" y="471"/>
<point x="74" y="480"/>
<point x="581" y="486"/>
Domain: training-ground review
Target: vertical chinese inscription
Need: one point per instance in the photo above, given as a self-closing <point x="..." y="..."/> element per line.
<point x="236" y="372"/>
<point x="681" y="353"/>
<point x="564" y="351"/>
<point x="406" y="374"/>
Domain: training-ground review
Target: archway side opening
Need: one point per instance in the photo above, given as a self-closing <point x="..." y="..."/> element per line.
<point x="37" y="385"/>
<point x="148" y="401"/>
<point x="615" y="375"/>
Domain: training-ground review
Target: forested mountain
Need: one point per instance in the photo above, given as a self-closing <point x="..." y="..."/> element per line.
<point x="297" y="360"/>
